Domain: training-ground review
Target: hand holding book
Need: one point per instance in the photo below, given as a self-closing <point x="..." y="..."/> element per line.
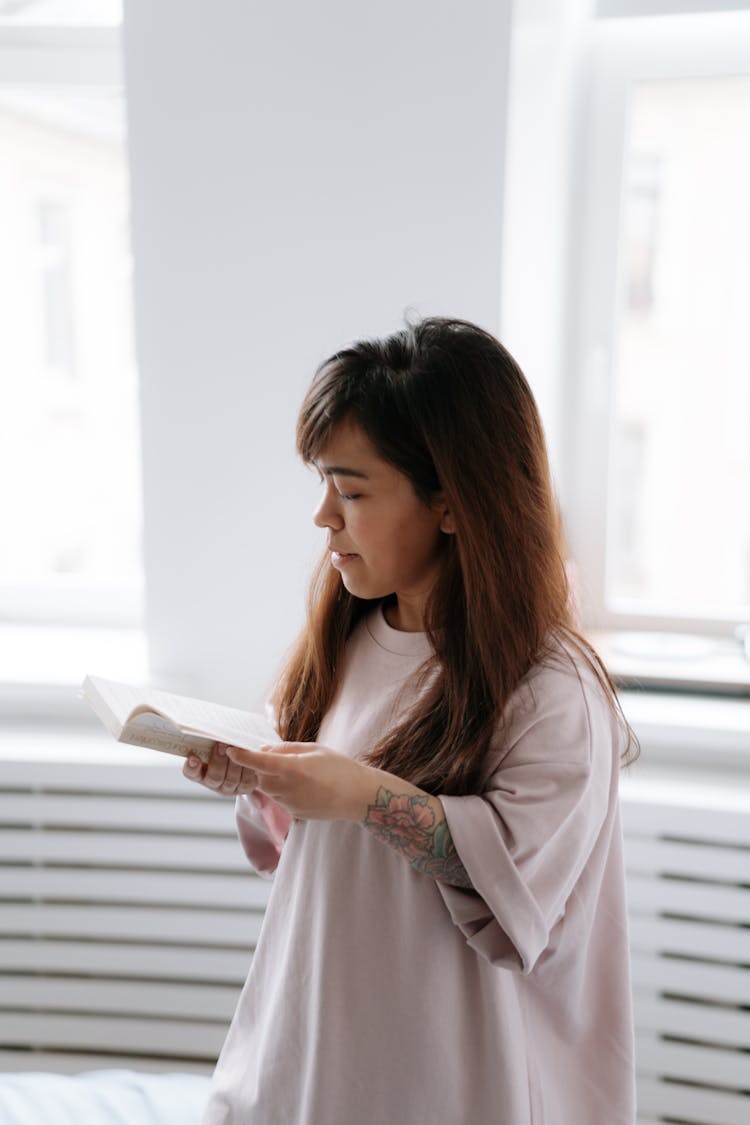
<point x="220" y="772"/>
<point x="201" y="732"/>
<point x="172" y="723"/>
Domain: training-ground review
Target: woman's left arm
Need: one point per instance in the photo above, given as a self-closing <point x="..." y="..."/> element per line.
<point x="413" y="823"/>
<point x="315" y="783"/>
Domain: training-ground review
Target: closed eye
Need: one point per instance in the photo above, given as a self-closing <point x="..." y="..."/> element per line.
<point x="341" y="495"/>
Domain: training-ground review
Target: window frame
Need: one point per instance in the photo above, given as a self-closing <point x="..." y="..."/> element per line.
<point x="618" y="53"/>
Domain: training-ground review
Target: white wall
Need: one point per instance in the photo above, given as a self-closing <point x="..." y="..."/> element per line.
<point x="544" y="122"/>
<point x="301" y="174"/>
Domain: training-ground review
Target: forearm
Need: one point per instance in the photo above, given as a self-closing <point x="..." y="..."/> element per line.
<point x="312" y="782"/>
<point x="413" y="823"/>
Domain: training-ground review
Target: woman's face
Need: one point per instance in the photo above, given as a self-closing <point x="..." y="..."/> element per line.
<point x="383" y="539"/>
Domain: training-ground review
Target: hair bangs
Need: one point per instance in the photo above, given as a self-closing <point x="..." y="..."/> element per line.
<point x="329" y="400"/>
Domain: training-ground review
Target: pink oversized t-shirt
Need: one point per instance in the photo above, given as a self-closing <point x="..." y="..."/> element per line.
<point x="380" y="996"/>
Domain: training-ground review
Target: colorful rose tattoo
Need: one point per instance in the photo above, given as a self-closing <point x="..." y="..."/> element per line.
<point x="409" y="825"/>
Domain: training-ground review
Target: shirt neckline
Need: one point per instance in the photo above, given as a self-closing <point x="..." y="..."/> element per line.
<point x="395" y="640"/>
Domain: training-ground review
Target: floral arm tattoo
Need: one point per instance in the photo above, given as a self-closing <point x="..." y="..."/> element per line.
<point x="415" y="826"/>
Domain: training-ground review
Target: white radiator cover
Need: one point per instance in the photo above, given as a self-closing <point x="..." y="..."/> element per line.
<point x="688" y="857"/>
<point x="128" y="916"/>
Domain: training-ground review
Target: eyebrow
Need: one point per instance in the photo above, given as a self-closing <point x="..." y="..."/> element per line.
<point x="342" y="471"/>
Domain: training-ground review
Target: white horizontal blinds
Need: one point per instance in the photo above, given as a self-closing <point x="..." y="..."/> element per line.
<point x="128" y="916"/>
<point x="689" y="910"/>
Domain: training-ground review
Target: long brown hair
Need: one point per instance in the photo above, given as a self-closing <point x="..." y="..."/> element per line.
<point x="446" y="404"/>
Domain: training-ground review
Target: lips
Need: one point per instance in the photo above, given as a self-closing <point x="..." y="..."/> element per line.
<point x="341" y="558"/>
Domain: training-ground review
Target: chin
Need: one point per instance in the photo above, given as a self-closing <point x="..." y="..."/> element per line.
<point x="362" y="589"/>
<point x="357" y="590"/>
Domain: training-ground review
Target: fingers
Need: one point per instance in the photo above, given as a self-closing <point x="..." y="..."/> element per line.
<point x="193" y="768"/>
<point x="257" y="760"/>
<point x="248" y="782"/>
<point x="238" y="779"/>
<point x="220" y="772"/>
<point x="290" y="748"/>
<point x="271" y="775"/>
<point x="227" y="776"/>
<point x="216" y="767"/>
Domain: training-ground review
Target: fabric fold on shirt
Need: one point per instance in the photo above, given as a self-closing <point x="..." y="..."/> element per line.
<point x="526" y="840"/>
<point x="262" y="826"/>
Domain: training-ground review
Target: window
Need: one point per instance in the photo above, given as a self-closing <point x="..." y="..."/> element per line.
<point x="659" y="468"/>
<point x="70" y="548"/>
<point x="679" y="491"/>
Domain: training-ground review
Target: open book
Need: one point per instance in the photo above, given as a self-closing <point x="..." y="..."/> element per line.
<point x="175" y="724"/>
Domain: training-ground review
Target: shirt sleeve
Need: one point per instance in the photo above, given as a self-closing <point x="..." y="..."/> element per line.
<point x="262" y="826"/>
<point x="526" y="839"/>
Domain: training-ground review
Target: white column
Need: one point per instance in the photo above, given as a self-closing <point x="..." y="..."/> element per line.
<point x="301" y="175"/>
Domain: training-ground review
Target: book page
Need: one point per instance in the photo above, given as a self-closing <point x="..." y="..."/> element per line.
<point x="225" y="724"/>
<point x="121" y="700"/>
<point x="196" y="716"/>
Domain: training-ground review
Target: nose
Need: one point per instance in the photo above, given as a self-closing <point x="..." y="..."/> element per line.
<point x="327" y="514"/>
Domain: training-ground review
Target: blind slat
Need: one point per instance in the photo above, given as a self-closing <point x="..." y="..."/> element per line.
<point x="122" y="850"/>
<point x="691" y="1104"/>
<point x="135" y="1036"/>
<point x="217" y="927"/>
<point x="80" y="810"/>
<point x="201" y="1002"/>
<point x="699" y="1022"/>
<point x="121" y="960"/>
<point x="698" y="861"/>
<point x="715" y="903"/>
<point x="690" y="939"/>
<point x="724" y="983"/>
<point x="241" y="890"/>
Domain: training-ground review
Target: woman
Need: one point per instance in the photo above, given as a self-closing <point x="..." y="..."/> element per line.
<point x="445" y="941"/>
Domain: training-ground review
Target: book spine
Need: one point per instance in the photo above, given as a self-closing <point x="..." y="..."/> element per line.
<point x="182" y="747"/>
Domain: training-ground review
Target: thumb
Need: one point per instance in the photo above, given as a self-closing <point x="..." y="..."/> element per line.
<point x="294" y="748"/>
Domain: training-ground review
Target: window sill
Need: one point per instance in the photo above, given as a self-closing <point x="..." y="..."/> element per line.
<point x="693" y="731"/>
<point x="687" y="698"/>
<point x="676" y="662"/>
<point x="71" y="743"/>
<point x="42" y="667"/>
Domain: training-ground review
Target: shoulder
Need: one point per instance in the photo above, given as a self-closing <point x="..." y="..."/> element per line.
<point x="564" y="675"/>
<point x="560" y="710"/>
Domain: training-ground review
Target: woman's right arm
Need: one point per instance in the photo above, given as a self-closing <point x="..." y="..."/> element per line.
<point x="262" y="824"/>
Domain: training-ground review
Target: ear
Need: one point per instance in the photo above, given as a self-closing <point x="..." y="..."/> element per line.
<point x="446" y="523"/>
<point x="446" y="517"/>
<point x="437" y="503"/>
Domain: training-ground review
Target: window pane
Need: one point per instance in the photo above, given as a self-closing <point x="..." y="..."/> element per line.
<point x="679" y="483"/>
<point x="69" y="452"/>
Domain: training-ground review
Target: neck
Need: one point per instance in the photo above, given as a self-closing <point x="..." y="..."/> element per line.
<point x="404" y="617"/>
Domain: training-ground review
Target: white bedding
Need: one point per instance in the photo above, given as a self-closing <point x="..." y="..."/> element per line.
<point x="102" y="1097"/>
